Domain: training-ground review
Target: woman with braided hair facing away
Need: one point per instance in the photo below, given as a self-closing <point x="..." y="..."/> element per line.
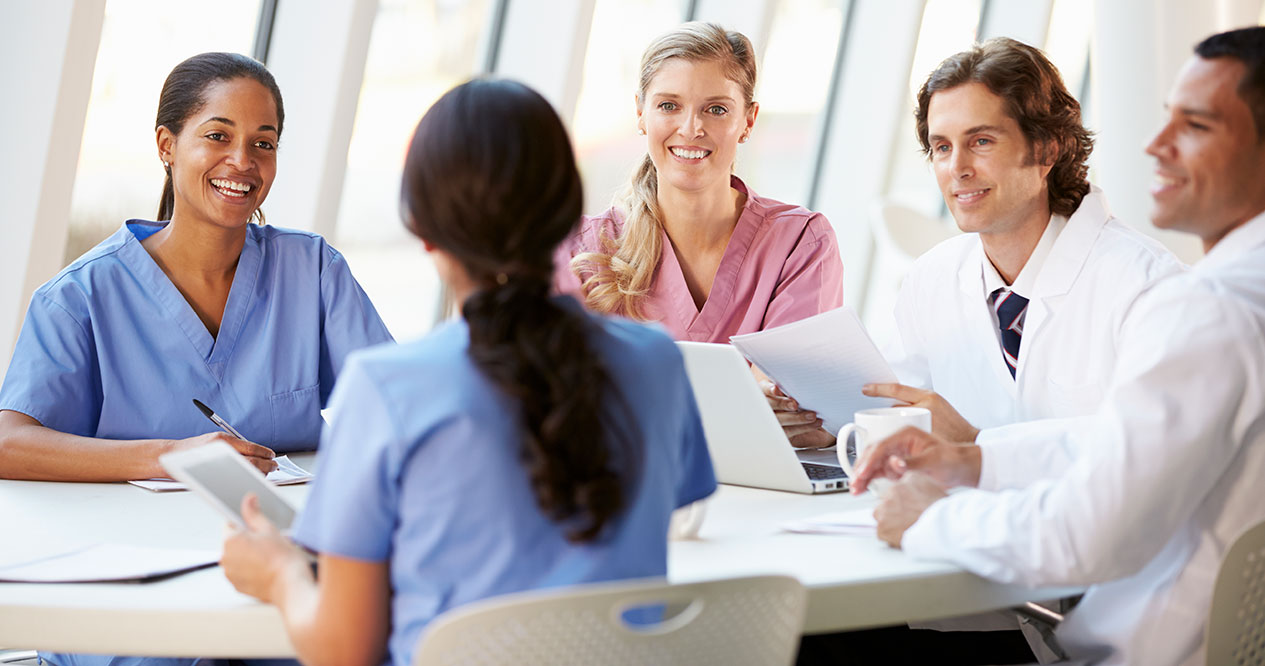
<point x="526" y="444"/>
<point x="688" y="244"/>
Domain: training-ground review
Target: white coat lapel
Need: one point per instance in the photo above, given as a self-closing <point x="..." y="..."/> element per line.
<point x="1064" y="264"/>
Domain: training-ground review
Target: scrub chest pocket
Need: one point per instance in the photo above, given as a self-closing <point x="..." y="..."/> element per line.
<point x="296" y="419"/>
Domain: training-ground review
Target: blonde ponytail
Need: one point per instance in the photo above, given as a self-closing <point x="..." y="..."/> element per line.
<point x="621" y="272"/>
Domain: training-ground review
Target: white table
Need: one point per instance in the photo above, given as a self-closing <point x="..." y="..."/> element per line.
<point x="854" y="581"/>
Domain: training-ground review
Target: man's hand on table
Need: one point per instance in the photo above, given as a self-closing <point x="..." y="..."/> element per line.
<point x="903" y="503"/>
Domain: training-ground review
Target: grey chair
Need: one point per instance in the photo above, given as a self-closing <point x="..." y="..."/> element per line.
<point x="737" y="621"/>
<point x="1236" y="621"/>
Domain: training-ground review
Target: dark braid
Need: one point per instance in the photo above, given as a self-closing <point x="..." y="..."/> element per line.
<point x="490" y="178"/>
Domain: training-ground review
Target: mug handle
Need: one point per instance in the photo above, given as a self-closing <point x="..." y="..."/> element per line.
<point x="841" y="448"/>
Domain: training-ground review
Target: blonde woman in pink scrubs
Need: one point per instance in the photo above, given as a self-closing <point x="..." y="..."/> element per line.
<point x="688" y="244"/>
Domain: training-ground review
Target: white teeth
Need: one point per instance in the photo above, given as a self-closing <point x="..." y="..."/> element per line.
<point x="232" y="186"/>
<point x="690" y="154"/>
<point x="1165" y="181"/>
<point x="969" y="195"/>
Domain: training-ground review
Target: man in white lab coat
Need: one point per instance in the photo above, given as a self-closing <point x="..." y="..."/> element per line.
<point x="1141" y="501"/>
<point x="1016" y="319"/>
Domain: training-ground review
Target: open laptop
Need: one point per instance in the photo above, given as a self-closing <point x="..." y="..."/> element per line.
<point x="747" y="445"/>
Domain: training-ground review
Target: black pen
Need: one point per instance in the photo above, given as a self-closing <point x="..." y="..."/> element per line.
<point x="223" y="425"/>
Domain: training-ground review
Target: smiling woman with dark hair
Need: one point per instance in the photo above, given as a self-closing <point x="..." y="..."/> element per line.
<point x="255" y="321"/>
<point x="528" y="444"/>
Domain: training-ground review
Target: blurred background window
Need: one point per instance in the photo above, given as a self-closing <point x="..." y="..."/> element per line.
<point x="119" y="175"/>
<point x="605" y="125"/>
<point x="948" y="26"/>
<point x="418" y="50"/>
<point x="792" y="88"/>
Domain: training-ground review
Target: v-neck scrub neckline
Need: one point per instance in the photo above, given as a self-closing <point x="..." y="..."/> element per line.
<point x="781" y="264"/>
<point x="110" y="348"/>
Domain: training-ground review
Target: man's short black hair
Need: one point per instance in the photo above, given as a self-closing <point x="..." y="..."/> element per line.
<point x="1246" y="45"/>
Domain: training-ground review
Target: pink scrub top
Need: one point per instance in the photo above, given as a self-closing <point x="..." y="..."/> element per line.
<point x="781" y="265"/>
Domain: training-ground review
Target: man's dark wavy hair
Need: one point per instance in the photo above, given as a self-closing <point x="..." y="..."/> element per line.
<point x="1034" y="95"/>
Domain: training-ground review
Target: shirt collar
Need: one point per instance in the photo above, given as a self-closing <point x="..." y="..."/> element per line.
<point x="1243" y="238"/>
<point x="1027" y="278"/>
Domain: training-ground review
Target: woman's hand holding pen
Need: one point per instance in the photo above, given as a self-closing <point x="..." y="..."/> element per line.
<point x="259" y="456"/>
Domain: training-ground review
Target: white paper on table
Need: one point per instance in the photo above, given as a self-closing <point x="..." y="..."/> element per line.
<point x="822" y="362"/>
<point x="286" y="473"/>
<point x="854" y="521"/>
<point x="109" y="563"/>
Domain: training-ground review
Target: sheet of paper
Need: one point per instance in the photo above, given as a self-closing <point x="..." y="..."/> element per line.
<point x="286" y="473"/>
<point x="822" y="362"/>
<point x="108" y="563"/>
<point x="854" y="521"/>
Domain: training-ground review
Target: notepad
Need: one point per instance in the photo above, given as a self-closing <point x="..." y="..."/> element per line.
<point x="822" y="362"/>
<point x="109" y="563"/>
<point x="287" y="473"/>
<point x="855" y="521"/>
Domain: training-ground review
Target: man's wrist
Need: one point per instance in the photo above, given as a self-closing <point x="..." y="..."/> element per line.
<point x="972" y="460"/>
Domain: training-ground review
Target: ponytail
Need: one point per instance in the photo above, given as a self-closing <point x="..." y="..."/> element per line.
<point x="617" y="278"/>
<point x="539" y="353"/>
<point x="490" y="178"/>
<point x="167" y="202"/>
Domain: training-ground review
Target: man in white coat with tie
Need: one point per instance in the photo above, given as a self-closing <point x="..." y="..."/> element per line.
<point x="1015" y="319"/>
<point x="1140" y="501"/>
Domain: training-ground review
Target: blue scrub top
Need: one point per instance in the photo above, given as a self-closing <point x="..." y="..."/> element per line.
<point x="111" y="349"/>
<point x="421" y="467"/>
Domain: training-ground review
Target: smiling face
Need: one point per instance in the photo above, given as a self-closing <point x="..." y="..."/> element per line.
<point x="985" y="167"/>
<point x="694" y="117"/>
<point x="1210" y="163"/>
<point x="225" y="157"/>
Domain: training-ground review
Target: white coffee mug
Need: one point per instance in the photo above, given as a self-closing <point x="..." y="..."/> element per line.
<point x="871" y="426"/>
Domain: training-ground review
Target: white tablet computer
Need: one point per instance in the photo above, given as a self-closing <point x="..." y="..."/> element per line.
<point x="223" y="477"/>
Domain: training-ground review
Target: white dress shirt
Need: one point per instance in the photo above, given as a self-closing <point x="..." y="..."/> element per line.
<point x="1079" y="280"/>
<point x="1141" y="501"/>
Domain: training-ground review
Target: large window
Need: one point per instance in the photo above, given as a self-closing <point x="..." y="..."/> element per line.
<point x="793" y="85"/>
<point x="948" y="26"/>
<point x="418" y="50"/>
<point x="119" y="175"/>
<point x="605" y="126"/>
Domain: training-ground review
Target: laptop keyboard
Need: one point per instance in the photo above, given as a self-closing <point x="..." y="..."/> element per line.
<point x="823" y="472"/>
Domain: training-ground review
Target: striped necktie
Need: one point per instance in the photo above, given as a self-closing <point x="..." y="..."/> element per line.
<point x="1010" y="309"/>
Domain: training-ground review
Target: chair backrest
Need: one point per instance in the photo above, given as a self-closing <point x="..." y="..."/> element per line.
<point x="736" y="621"/>
<point x="1236" y="622"/>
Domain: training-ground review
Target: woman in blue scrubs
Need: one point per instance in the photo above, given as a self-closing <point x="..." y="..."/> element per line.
<point x="255" y="321"/>
<point x="554" y="454"/>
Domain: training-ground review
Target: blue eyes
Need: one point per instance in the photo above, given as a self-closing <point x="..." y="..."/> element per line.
<point x="715" y="109"/>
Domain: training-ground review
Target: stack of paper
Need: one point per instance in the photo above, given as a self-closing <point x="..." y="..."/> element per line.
<point x="855" y="521"/>
<point x="822" y="362"/>
<point x="106" y="562"/>
<point x="286" y="473"/>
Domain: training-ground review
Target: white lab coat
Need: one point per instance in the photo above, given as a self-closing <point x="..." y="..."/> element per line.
<point x="1152" y="490"/>
<point x="947" y="340"/>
